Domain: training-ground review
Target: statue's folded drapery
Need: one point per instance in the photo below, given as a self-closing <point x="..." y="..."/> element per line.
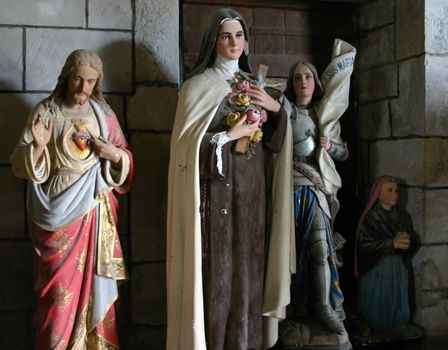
<point x="71" y="202"/>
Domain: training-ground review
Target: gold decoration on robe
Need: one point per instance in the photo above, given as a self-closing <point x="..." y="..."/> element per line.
<point x="109" y="322"/>
<point x="108" y="265"/>
<point x="57" y="342"/>
<point x="79" y="340"/>
<point x="97" y="342"/>
<point x="59" y="241"/>
<point x="62" y="297"/>
<point x="81" y="259"/>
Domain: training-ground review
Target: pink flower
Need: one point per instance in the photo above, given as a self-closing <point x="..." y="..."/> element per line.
<point x="242" y="85"/>
<point x="263" y="116"/>
<point x="252" y="115"/>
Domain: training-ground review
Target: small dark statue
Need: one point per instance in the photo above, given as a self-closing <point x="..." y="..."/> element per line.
<point x="385" y="244"/>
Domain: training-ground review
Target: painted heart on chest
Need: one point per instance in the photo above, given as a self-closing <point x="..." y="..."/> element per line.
<point x="81" y="139"/>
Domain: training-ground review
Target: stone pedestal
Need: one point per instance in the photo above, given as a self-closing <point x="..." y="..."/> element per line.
<point x="310" y="334"/>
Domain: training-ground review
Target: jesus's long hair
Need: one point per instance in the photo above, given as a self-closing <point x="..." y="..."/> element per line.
<point x="78" y="58"/>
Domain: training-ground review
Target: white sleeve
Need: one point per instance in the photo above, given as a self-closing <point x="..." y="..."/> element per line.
<point x="220" y="139"/>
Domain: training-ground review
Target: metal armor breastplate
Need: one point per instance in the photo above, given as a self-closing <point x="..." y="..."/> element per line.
<point x="304" y="134"/>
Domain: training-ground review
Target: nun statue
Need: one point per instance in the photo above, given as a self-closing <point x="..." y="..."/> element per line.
<point x="217" y="223"/>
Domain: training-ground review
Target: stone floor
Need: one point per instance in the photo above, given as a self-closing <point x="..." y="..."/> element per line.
<point x="426" y="343"/>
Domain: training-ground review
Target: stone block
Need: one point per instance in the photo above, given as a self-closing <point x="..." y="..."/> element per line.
<point x="363" y="167"/>
<point x="436" y="167"/>
<point x="15" y="334"/>
<point x="436" y="26"/>
<point x="13" y="116"/>
<point x="12" y="205"/>
<point x="16" y="258"/>
<point x="400" y="158"/>
<point x="413" y="200"/>
<point x="149" y="196"/>
<point x="116" y="102"/>
<point x="142" y="337"/>
<point x="377" y="47"/>
<point x="16" y="292"/>
<point x="115" y="14"/>
<point x="436" y="220"/>
<point x="149" y="294"/>
<point x="152" y="108"/>
<point x="436" y="98"/>
<point x="430" y="269"/>
<point x="124" y="308"/>
<point x="409" y="28"/>
<point x="123" y="216"/>
<point x="431" y="281"/>
<point x="378" y="83"/>
<point x="364" y="194"/>
<point x="376" y="14"/>
<point x="435" y="322"/>
<point x="157" y="40"/>
<point x="11" y="61"/>
<point x="67" y="13"/>
<point x="16" y="276"/>
<point x="408" y="110"/>
<point x="374" y="120"/>
<point x="47" y="50"/>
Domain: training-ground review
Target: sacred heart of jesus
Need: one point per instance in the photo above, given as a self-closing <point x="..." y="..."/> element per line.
<point x="81" y="139"/>
<point x="81" y="136"/>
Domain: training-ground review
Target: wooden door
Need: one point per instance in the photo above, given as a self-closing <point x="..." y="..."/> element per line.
<point x="281" y="32"/>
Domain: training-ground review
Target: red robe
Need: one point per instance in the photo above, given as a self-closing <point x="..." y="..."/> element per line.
<point x="66" y="261"/>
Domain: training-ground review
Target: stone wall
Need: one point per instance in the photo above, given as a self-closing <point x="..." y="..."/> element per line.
<point x="401" y="127"/>
<point x="138" y="41"/>
<point x="403" y="130"/>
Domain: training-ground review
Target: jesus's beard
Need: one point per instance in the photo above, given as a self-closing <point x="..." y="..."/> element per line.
<point x="80" y="98"/>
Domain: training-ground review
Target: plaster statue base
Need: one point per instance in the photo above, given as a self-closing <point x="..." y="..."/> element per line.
<point x="310" y="334"/>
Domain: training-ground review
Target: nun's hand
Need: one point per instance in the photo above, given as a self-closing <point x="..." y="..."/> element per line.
<point x="241" y="129"/>
<point x="261" y="98"/>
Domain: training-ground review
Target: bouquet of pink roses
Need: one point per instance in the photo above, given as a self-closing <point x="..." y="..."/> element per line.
<point x="240" y="107"/>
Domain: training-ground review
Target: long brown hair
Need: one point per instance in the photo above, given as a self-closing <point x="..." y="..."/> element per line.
<point x="78" y="58"/>
<point x="318" y="89"/>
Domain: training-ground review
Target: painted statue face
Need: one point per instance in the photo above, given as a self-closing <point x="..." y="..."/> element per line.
<point x="230" y="41"/>
<point x="389" y="195"/>
<point x="303" y="84"/>
<point x="81" y="83"/>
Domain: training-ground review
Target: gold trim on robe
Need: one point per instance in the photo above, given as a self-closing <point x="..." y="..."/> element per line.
<point x="108" y="265"/>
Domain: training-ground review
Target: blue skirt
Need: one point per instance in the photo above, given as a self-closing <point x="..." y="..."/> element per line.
<point x="305" y="206"/>
<point x="383" y="298"/>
